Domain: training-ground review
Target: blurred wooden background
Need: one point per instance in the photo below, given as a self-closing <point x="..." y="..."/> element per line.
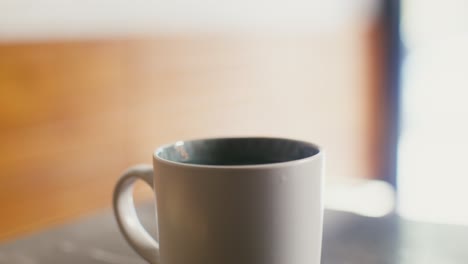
<point x="75" y="114"/>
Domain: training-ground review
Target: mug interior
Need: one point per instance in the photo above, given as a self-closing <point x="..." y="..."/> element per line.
<point x="237" y="151"/>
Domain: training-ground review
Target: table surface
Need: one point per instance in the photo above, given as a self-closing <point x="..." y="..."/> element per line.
<point x="348" y="239"/>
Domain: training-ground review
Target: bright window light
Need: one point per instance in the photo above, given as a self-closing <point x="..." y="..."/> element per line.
<point x="433" y="164"/>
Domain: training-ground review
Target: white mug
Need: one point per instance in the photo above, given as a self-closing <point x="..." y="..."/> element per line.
<point x="229" y="201"/>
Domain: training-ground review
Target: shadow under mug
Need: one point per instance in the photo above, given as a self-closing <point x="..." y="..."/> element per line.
<point x="229" y="201"/>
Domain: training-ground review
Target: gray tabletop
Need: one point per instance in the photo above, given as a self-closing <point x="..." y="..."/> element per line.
<point x="348" y="239"/>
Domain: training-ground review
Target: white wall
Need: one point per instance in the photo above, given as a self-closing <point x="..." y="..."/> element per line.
<point x="33" y="19"/>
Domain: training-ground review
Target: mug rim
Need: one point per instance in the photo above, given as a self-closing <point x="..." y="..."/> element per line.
<point x="289" y="163"/>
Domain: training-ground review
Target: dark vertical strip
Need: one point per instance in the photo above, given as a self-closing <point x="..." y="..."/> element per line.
<point x="392" y="90"/>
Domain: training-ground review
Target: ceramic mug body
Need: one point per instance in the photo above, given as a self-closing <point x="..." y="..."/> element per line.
<point x="231" y="201"/>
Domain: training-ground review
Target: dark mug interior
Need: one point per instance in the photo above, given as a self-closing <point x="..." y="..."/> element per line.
<point x="237" y="151"/>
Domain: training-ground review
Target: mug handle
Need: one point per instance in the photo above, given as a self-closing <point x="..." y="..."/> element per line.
<point x="125" y="213"/>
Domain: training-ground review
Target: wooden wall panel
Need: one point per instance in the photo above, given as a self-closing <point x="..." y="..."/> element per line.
<point x="74" y="115"/>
